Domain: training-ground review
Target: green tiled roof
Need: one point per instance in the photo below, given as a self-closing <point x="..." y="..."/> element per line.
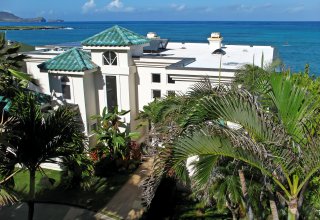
<point x="115" y="36"/>
<point x="75" y="60"/>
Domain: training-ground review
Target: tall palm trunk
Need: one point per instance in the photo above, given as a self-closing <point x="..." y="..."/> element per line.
<point x="301" y="197"/>
<point x="274" y="210"/>
<point x="233" y="209"/>
<point x="234" y="216"/>
<point x="245" y="194"/>
<point x="32" y="173"/>
<point x="292" y="209"/>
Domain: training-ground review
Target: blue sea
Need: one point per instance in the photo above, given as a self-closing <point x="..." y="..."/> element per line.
<point x="297" y="43"/>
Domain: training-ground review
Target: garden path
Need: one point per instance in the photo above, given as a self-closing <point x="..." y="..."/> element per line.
<point x="127" y="202"/>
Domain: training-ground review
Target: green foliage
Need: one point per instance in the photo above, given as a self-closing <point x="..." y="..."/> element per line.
<point x="248" y="77"/>
<point x="278" y="142"/>
<point x="7" y="197"/>
<point x="40" y="137"/>
<point x="77" y="171"/>
<point x="311" y="207"/>
<point x="11" y="78"/>
<point x="113" y="134"/>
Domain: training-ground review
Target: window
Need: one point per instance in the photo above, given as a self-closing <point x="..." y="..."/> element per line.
<point x="156" y="78"/>
<point x="171" y="93"/>
<point x="112" y="97"/>
<point x="156" y="94"/>
<point x="93" y="127"/>
<point x="170" y="80"/>
<point x="110" y="58"/>
<point x="65" y="87"/>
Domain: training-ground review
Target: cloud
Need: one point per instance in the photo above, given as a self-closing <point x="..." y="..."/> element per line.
<point x="243" y="8"/>
<point x="295" y="9"/>
<point x="90" y="4"/>
<point x="249" y="8"/>
<point x="177" y="7"/>
<point x="117" y="6"/>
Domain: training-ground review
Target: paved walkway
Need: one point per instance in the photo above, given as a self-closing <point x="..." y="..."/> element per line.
<point x="127" y="202"/>
<point x="49" y="211"/>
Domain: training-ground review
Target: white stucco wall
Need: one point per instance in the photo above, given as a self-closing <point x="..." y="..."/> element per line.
<point x="42" y="77"/>
<point x="184" y="80"/>
<point x="90" y="96"/>
<point x="78" y="95"/>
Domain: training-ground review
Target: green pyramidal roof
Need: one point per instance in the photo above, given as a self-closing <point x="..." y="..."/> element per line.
<point x="75" y="60"/>
<point x="115" y="36"/>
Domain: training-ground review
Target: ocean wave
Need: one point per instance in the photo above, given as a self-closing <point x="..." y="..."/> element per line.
<point x="68" y="28"/>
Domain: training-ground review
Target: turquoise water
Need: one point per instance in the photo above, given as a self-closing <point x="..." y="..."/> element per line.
<point x="298" y="43"/>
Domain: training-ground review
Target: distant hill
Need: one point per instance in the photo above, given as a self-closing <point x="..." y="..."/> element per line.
<point x="53" y="20"/>
<point x="9" y="17"/>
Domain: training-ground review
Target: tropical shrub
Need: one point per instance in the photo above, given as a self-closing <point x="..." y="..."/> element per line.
<point x="113" y="134"/>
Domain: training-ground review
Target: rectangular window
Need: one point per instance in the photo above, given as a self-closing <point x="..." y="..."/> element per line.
<point x="93" y="127"/>
<point x="156" y="78"/>
<point x="156" y="94"/>
<point x="66" y="91"/>
<point x="170" y="80"/>
<point x="112" y="97"/>
<point x="171" y="93"/>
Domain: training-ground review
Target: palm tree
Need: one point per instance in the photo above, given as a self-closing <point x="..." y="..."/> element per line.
<point x="170" y="118"/>
<point x="249" y="75"/>
<point x="6" y="196"/>
<point x="279" y="142"/>
<point x="221" y="185"/>
<point x="11" y="78"/>
<point x="41" y="137"/>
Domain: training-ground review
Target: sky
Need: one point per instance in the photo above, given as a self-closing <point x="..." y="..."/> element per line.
<point x="164" y="10"/>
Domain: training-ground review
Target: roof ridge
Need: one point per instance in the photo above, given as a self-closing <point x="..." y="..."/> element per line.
<point x="79" y="58"/>
<point x="74" y="59"/>
<point x="119" y="30"/>
<point x="115" y="36"/>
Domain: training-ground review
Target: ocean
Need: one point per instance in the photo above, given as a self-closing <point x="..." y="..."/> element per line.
<point x="297" y="43"/>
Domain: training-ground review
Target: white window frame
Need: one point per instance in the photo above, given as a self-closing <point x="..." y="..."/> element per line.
<point x="152" y="93"/>
<point x="108" y="61"/>
<point x="66" y="84"/>
<point x="155" y="74"/>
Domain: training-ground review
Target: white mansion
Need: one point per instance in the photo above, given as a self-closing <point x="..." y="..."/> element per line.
<point x="118" y="67"/>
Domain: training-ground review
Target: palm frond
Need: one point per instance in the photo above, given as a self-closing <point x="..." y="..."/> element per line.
<point x="205" y="143"/>
<point x="7" y="197"/>
<point x="293" y="104"/>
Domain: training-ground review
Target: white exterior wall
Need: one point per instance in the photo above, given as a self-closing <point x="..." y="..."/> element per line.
<point x="42" y="77"/>
<point x="121" y="71"/>
<point x="90" y="99"/>
<point x="134" y="74"/>
<point x="184" y="80"/>
<point x="78" y="95"/>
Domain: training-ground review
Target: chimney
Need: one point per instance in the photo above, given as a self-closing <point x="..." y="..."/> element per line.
<point x="215" y="41"/>
<point x="152" y="35"/>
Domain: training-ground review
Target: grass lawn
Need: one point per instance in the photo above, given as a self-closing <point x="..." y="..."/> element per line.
<point x="94" y="198"/>
<point x="21" y="180"/>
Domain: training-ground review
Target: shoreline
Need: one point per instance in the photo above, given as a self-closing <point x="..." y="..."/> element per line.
<point x="21" y="28"/>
